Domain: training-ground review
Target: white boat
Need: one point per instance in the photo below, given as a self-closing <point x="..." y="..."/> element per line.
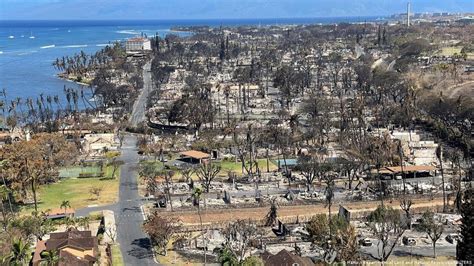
<point x="11" y="37"/>
<point x="31" y="36"/>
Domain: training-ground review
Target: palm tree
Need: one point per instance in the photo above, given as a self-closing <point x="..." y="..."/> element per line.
<point x="84" y="222"/>
<point x="5" y="195"/>
<point x="50" y="258"/>
<point x="19" y="253"/>
<point x="64" y="205"/>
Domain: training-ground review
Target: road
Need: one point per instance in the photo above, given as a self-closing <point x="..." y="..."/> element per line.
<point x="426" y="250"/>
<point x="134" y="243"/>
<point x="139" y="107"/>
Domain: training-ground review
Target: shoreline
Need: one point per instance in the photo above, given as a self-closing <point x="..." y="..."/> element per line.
<point x="71" y="78"/>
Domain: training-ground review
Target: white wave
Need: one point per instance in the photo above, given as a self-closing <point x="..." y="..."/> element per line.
<point x="28" y="52"/>
<point x="1" y="52"/>
<point x="48" y="46"/>
<point x="132" y="32"/>
<point x="101" y="45"/>
<point x="74" y="46"/>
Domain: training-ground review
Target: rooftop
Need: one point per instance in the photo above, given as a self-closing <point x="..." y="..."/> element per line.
<point x="195" y="154"/>
<point x="137" y="39"/>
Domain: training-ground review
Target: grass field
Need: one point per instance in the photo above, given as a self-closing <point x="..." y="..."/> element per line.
<point x="236" y="167"/>
<point x="450" y="51"/>
<point x="76" y="191"/>
<point x="117" y="259"/>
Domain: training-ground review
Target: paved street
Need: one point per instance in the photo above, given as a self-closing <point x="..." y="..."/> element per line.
<point x="139" y="107"/>
<point x="442" y="249"/>
<point x="134" y="243"/>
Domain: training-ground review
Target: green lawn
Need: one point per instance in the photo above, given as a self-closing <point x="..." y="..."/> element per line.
<point x="236" y="167"/>
<point x="76" y="191"/>
<point x="450" y="51"/>
<point x="117" y="259"/>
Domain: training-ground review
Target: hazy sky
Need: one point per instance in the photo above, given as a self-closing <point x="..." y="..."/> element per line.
<point x="202" y="9"/>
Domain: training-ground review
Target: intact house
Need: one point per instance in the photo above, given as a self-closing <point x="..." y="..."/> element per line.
<point x="96" y="144"/>
<point x="137" y="45"/>
<point x="74" y="247"/>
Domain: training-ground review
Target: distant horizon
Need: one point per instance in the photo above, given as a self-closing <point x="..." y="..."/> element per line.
<point x="213" y="22"/>
<point x="192" y="19"/>
<point x="218" y="9"/>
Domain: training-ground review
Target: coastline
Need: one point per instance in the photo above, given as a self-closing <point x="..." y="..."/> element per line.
<point x="74" y="79"/>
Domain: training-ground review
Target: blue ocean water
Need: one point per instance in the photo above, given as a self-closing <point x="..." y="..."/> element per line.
<point x="28" y="48"/>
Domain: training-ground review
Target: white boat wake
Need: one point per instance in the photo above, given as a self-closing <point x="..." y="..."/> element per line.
<point x="48" y="46"/>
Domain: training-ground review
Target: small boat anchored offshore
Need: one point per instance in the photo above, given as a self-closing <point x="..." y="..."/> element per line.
<point x="31" y="36"/>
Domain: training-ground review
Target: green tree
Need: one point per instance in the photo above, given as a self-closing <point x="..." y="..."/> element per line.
<point x="5" y="195"/>
<point x="343" y="241"/>
<point x="30" y="164"/>
<point x="148" y="172"/>
<point x="465" y="247"/>
<point x="226" y="257"/>
<point x="33" y="225"/>
<point x="252" y="261"/>
<point x="432" y="227"/>
<point x="19" y="253"/>
<point x="387" y="226"/>
<point x="65" y="205"/>
<point x="50" y="258"/>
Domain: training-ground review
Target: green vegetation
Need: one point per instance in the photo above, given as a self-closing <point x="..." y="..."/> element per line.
<point x="455" y="50"/>
<point x="232" y="166"/>
<point x="76" y="191"/>
<point x="117" y="259"/>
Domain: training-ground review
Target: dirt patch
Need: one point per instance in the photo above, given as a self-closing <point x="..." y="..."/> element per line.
<point x="302" y="212"/>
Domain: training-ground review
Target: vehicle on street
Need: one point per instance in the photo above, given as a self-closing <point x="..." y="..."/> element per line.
<point x="409" y="241"/>
<point x="365" y="242"/>
<point x="452" y="238"/>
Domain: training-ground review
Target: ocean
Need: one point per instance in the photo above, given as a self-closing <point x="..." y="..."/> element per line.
<point x="28" y="48"/>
